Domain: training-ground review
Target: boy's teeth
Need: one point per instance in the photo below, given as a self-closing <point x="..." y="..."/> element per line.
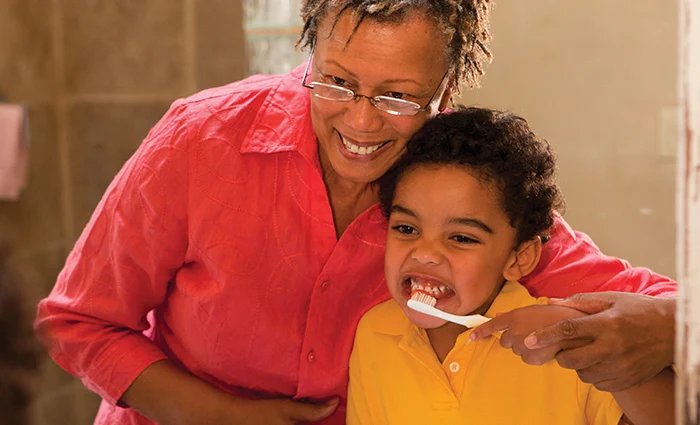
<point x="359" y="150"/>
<point x="434" y="290"/>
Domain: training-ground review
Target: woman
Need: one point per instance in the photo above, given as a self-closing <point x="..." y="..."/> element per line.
<point x="246" y="223"/>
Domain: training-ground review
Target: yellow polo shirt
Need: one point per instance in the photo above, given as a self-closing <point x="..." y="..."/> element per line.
<point x="396" y="378"/>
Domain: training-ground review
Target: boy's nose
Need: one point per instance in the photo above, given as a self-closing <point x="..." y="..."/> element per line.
<point x="427" y="254"/>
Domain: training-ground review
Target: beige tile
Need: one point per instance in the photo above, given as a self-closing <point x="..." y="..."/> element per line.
<point x="594" y="79"/>
<point x="221" y="57"/>
<point x="126" y="46"/>
<point x="70" y="404"/>
<point x="37" y="271"/>
<point x="102" y="137"/>
<point x="26" y="73"/>
<point x="34" y="220"/>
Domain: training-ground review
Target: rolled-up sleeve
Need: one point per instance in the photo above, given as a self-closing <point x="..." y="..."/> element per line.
<point x="571" y="263"/>
<point x="92" y="322"/>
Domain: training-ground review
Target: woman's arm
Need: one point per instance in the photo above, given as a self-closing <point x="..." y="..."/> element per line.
<point x="650" y="403"/>
<point x="121" y="266"/>
<point x="170" y="396"/>
<point x="571" y="263"/>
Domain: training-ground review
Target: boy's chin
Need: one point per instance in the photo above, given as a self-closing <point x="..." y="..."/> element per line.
<point x="423" y="320"/>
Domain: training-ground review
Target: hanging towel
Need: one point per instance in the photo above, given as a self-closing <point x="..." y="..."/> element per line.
<point x="14" y="151"/>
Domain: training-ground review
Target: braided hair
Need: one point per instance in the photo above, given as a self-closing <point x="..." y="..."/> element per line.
<point x="465" y="24"/>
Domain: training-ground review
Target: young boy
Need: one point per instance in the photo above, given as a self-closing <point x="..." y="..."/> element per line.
<point x="469" y="206"/>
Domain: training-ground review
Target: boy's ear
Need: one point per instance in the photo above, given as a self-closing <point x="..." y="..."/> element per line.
<point x="523" y="259"/>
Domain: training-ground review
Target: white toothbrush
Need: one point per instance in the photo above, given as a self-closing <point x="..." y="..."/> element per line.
<point x="468" y="321"/>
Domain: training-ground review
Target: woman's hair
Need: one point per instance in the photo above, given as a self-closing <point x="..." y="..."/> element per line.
<point x="465" y="24"/>
<point x="495" y="147"/>
<point x="19" y="350"/>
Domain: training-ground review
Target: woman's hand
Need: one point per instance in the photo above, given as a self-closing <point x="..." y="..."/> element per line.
<point x="632" y="338"/>
<point x="169" y="395"/>
<point x="615" y="341"/>
<point x="521" y="322"/>
<point x="277" y="412"/>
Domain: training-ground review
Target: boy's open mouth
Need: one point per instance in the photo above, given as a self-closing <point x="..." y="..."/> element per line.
<point x="432" y="287"/>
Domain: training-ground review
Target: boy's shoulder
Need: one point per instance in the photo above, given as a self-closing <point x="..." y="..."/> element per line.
<point x="385" y="318"/>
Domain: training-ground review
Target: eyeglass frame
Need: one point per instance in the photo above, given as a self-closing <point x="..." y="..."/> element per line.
<point x="372" y="99"/>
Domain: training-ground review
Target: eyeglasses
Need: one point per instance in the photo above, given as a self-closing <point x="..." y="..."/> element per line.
<point x="390" y="105"/>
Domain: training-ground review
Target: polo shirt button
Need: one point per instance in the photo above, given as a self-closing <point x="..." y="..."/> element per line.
<point x="311" y="357"/>
<point x="324" y="285"/>
<point x="454" y="367"/>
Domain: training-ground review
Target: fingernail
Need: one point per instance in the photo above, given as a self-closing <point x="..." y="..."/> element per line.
<point x="556" y="299"/>
<point x="530" y="341"/>
<point x="472" y="336"/>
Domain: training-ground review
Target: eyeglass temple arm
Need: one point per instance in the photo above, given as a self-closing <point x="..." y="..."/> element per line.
<point x="308" y="65"/>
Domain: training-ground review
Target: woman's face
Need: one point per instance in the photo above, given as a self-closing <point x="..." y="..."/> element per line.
<point x="405" y="60"/>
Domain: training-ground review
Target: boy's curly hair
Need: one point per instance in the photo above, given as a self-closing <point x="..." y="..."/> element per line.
<point x="465" y="24"/>
<point x="19" y="350"/>
<point x="496" y="147"/>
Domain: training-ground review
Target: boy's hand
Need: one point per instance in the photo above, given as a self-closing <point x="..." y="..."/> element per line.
<point x="521" y="322"/>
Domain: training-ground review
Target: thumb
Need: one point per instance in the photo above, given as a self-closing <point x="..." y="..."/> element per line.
<point x="565" y="330"/>
<point x="313" y="412"/>
<point x="590" y="303"/>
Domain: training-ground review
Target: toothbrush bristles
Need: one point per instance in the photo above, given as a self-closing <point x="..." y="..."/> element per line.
<point x="424" y="298"/>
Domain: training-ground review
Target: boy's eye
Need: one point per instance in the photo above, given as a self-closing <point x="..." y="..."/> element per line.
<point x="464" y="239"/>
<point x="405" y="229"/>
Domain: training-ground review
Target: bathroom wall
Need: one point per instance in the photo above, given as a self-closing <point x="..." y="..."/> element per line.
<point x="96" y="75"/>
<point x="598" y="80"/>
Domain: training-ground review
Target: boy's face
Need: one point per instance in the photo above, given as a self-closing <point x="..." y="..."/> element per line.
<point x="447" y="230"/>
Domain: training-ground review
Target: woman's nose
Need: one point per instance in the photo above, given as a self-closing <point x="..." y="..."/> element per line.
<point x="362" y="116"/>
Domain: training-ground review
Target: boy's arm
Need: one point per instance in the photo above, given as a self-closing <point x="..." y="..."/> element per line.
<point x="650" y="403"/>
<point x="358" y="412"/>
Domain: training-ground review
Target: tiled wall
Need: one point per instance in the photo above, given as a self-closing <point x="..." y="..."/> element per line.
<point x="598" y="80"/>
<point x="96" y="76"/>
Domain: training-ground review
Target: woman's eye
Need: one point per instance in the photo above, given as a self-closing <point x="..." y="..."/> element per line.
<point x="396" y="94"/>
<point x="405" y="229"/>
<point x="338" y="81"/>
<point x="464" y="239"/>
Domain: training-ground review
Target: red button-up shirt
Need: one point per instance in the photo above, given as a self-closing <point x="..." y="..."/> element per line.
<point x="220" y="227"/>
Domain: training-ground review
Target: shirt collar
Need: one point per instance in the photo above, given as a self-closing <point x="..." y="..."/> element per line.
<point x="283" y="121"/>
<point x="511" y="296"/>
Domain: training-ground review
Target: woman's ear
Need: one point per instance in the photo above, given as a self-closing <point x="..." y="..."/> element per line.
<point x="446" y="96"/>
<point x="523" y="259"/>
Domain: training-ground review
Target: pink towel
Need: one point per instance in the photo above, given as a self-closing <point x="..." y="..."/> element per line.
<point x="13" y="151"/>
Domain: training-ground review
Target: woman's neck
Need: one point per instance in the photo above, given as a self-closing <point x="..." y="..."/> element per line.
<point x="348" y="198"/>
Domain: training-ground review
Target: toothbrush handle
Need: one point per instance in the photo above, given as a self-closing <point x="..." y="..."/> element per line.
<point x="474" y="321"/>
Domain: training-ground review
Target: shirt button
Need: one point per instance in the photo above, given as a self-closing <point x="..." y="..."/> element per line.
<point x="324" y="285"/>
<point x="311" y="357"/>
<point x="454" y="367"/>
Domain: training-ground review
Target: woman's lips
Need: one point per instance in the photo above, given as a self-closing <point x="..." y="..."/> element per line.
<point x="360" y="150"/>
